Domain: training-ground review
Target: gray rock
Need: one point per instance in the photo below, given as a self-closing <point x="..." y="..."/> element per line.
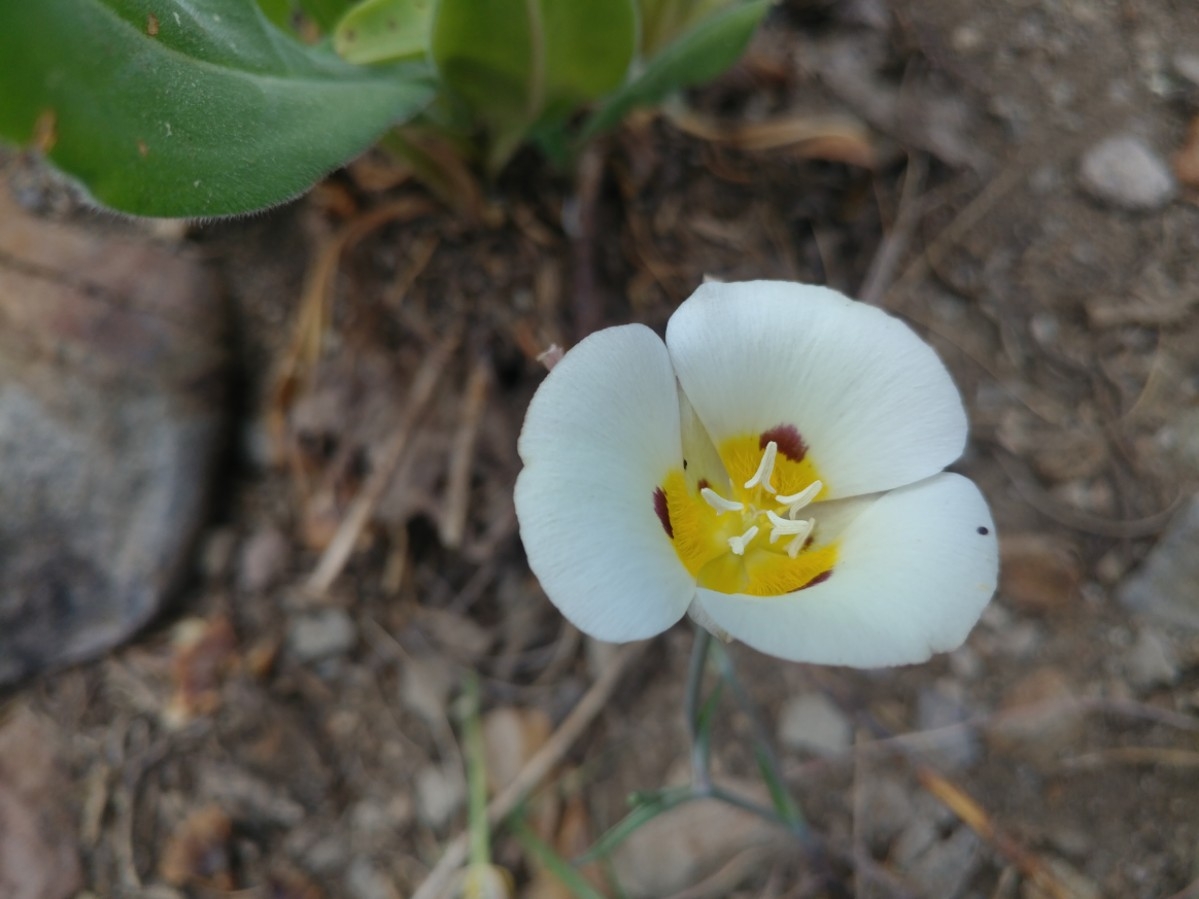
<point x="1125" y="172"/>
<point x="813" y="724"/>
<point x="112" y="364"/>
<point x="329" y="632"/>
<point x="1166" y="586"/>
<point x="1151" y="662"/>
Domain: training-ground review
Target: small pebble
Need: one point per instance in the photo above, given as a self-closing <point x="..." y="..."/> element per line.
<point x="1126" y="173"/>
<point x="438" y="796"/>
<point x="263" y="560"/>
<point x="329" y="632"/>
<point x="1186" y="65"/>
<point x="1166" y="587"/>
<point x="1151" y="662"/>
<point x="942" y="711"/>
<point x="813" y="724"/>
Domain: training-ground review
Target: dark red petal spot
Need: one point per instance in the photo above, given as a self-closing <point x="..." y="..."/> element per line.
<point x="663" y="512"/>
<point x="819" y="579"/>
<point x="703" y="484"/>
<point x="789" y="442"/>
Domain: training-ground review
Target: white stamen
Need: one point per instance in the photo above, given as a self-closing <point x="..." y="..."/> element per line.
<point x="801" y="538"/>
<point x="786" y="527"/>
<point x="738" y="544"/>
<point x="765" y="469"/>
<point x="719" y="503"/>
<point x="796" y="501"/>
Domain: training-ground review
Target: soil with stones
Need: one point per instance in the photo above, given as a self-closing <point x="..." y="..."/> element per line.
<point x="1018" y="180"/>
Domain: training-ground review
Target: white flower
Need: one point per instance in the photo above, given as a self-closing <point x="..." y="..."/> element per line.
<point x="775" y="468"/>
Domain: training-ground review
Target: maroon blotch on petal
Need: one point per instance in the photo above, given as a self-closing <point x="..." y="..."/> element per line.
<point x="819" y="579"/>
<point x="787" y="438"/>
<point x="663" y="512"/>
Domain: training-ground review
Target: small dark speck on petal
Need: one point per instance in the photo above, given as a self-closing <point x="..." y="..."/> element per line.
<point x="663" y="512"/>
<point x="983" y="530"/>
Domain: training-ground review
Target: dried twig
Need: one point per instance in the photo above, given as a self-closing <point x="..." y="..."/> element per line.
<point x="462" y="454"/>
<point x="420" y="394"/>
<point x="976" y="818"/>
<point x="535" y="770"/>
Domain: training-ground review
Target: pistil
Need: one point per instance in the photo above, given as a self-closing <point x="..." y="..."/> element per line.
<point x="738" y="544"/>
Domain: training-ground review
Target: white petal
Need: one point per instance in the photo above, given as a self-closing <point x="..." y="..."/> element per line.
<point x="915" y="568"/>
<point x="872" y="401"/>
<point x="600" y="435"/>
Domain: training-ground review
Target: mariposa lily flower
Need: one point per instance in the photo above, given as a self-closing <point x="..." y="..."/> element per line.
<point x="774" y="468"/>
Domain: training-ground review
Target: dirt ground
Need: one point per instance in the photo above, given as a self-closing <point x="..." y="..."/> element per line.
<point x="288" y="727"/>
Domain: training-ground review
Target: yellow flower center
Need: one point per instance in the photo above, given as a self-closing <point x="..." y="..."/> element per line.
<point x="755" y="534"/>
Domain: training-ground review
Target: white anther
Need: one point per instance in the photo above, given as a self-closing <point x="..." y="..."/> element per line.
<point x="765" y="469"/>
<point x="796" y="501"/>
<point x="786" y="527"/>
<point x="797" y="544"/>
<point x="738" y="544"/>
<point x="718" y="502"/>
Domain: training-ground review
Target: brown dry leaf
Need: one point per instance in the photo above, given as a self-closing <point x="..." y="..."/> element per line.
<point x="1186" y="160"/>
<point x="460" y="637"/>
<point x="198" y="851"/>
<point x="831" y="138"/>
<point x="204" y="652"/>
<point x="572" y="839"/>
<point x="1038" y="573"/>
<point x="510" y="737"/>
<point x="1039" y="715"/>
<point x="683" y="845"/>
<point x="38" y="849"/>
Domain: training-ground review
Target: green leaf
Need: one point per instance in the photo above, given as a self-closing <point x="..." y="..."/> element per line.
<point x="664" y="20"/>
<point x="517" y="62"/>
<point x="277" y="12"/>
<point x="589" y="47"/>
<point x="486" y="53"/>
<point x="172" y="108"/>
<point x="325" y="13"/>
<point x="699" y="55"/>
<point x="384" y="31"/>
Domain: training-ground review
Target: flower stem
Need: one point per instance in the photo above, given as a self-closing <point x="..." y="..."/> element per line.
<point x="692" y="708"/>
<point x="768" y="761"/>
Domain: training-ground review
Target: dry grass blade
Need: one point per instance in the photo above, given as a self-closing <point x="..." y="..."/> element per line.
<point x="420" y="394"/>
<point x="535" y="770"/>
<point x="1085" y="522"/>
<point x="1157" y="756"/>
<point x="316" y="301"/>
